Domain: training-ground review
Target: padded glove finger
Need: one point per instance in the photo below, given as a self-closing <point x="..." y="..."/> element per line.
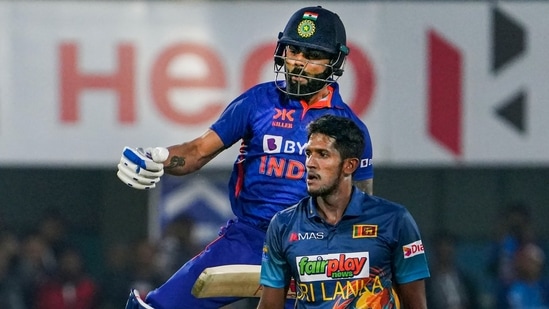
<point x="132" y="182"/>
<point x="142" y="179"/>
<point x="142" y="168"/>
<point x="139" y="170"/>
<point x="140" y="158"/>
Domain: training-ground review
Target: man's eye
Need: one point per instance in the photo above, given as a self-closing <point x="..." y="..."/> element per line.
<point x="293" y="49"/>
<point x="315" y="55"/>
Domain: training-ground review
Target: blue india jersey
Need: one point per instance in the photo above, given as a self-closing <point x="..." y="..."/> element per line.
<point x="353" y="264"/>
<point x="269" y="172"/>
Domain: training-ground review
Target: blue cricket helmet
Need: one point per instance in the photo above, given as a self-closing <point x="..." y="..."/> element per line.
<point x="315" y="28"/>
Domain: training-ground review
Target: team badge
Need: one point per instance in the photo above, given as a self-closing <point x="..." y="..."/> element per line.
<point x="265" y="254"/>
<point x="306" y="28"/>
<point x="364" y="230"/>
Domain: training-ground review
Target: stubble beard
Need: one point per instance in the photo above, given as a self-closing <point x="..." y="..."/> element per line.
<point x="325" y="190"/>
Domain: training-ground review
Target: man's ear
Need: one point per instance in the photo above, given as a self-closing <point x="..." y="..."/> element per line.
<point x="350" y="165"/>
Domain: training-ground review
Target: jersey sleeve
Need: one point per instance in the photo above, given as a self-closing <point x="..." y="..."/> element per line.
<point x="232" y="124"/>
<point x="410" y="262"/>
<point x="275" y="271"/>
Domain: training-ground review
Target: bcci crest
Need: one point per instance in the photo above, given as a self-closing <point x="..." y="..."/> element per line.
<point x="306" y="28"/>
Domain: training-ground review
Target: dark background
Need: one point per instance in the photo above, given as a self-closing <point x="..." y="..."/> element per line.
<point x="102" y="211"/>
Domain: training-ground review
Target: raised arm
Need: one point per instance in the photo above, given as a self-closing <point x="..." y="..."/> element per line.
<point x="141" y="168"/>
<point x="191" y="156"/>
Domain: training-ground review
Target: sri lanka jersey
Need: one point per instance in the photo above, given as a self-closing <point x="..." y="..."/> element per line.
<point x="269" y="172"/>
<point x="353" y="264"/>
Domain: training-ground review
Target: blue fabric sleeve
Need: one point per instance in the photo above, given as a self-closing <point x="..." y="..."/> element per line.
<point x="275" y="271"/>
<point x="232" y="124"/>
<point x="410" y="262"/>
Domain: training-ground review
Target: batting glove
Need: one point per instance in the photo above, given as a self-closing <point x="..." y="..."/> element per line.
<point x="141" y="168"/>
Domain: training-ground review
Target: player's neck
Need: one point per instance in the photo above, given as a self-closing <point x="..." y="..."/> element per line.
<point x="322" y="94"/>
<point x="332" y="207"/>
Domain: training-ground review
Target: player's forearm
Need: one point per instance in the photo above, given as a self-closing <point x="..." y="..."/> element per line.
<point x="191" y="156"/>
<point x="272" y="298"/>
<point x="185" y="159"/>
<point x="413" y="295"/>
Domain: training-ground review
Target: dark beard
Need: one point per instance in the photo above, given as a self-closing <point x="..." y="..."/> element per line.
<point x="326" y="190"/>
<point x="310" y="88"/>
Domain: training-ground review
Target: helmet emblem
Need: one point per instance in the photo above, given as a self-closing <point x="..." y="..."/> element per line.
<point x="306" y="28"/>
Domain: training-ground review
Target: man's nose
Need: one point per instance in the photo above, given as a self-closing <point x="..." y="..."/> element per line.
<point x="298" y="59"/>
<point x="310" y="162"/>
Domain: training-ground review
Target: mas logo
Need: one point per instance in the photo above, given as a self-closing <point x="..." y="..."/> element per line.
<point x="335" y="266"/>
<point x="294" y="236"/>
<point x="413" y="249"/>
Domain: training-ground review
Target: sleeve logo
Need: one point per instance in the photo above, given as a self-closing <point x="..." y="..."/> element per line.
<point x="413" y="249"/>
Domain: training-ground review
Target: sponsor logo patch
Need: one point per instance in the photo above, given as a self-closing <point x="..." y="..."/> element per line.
<point x="334" y="266"/>
<point x="283" y="118"/>
<point x="272" y="143"/>
<point x="413" y="249"/>
<point x="306" y="236"/>
<point x="284" y="114"/>
<point x="276" y="144"/>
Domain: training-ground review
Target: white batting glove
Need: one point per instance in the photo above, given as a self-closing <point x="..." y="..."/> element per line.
<point x="141" y="168"/>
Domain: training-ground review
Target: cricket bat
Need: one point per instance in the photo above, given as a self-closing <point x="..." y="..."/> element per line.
<point x="236" y="280"/>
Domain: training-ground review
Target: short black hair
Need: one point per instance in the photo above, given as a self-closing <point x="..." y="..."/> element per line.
<point x="349" y="139"/>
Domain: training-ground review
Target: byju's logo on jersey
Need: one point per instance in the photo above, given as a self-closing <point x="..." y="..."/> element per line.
<point x="334" y="266"/>
<point x="272" y="143"/>
<point x="282" y="166"/>
<point x="413" y="249"/>
<point x="275" y="144"/>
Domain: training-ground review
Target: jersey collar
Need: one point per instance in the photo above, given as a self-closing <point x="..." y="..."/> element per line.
<point x="325" y="102"/>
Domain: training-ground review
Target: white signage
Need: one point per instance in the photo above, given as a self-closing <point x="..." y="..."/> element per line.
<point x="450" y="83"/>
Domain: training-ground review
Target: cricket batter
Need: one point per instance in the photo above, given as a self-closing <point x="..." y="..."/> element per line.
<point x="270" y="120"/>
